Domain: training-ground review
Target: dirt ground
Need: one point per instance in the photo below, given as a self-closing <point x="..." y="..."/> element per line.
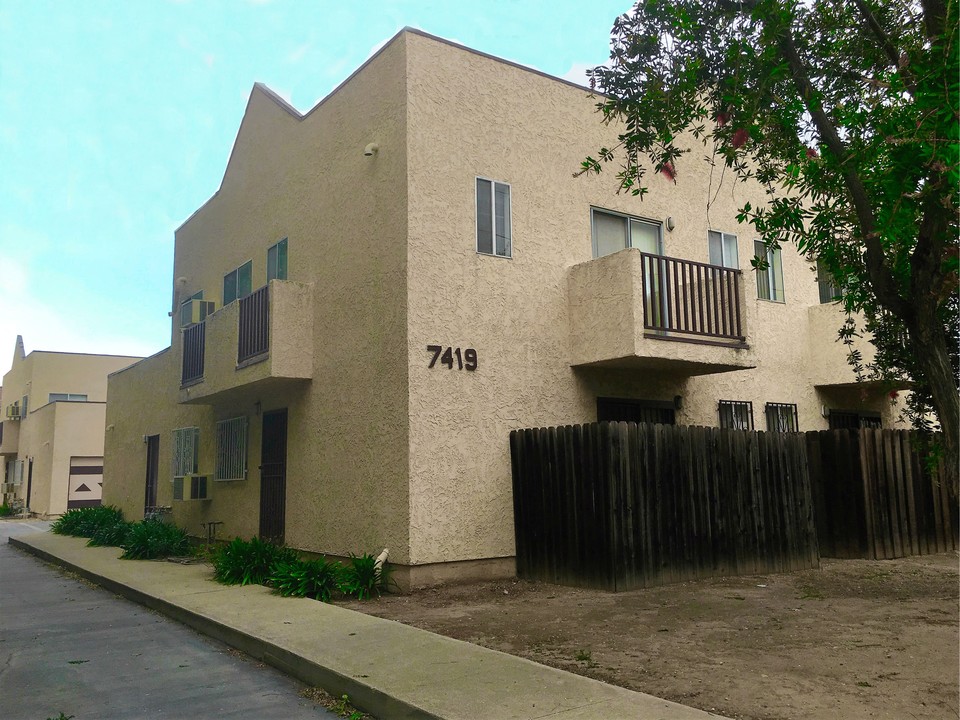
<point x="855" y="639"/>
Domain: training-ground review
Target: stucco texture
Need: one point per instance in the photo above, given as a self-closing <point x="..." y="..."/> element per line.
<point x="384" y="450"/>
<point x="338" y="360"/>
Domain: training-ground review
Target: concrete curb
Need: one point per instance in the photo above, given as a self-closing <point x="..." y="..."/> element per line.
<point x="388" y="669"/>
<point x="361" y="695"/>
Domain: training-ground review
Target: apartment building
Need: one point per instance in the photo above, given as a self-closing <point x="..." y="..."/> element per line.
<point x="382" y="288"/>
<point x="51" y="438"/>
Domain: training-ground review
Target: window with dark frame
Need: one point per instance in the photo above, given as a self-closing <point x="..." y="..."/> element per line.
<point x="277" y="261"/>
<point x="781" y="417"/>
<point x="238" y="283"/>
<point x="736" y="414"/>
<point x="232" y="449"/>
<point x="770" y="278"/>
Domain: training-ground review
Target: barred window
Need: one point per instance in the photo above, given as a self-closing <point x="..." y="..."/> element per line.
<point x="781" y="417"/>
<point x="736" y="415"/>
<point x="232" y="449"/>
<point x="186" y="449"/>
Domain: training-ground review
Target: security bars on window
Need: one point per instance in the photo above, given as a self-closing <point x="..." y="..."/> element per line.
<point x="781" y="417"/>
<point x="232" y="449"/>
<point x="186" y="446"/>
<point x="736" y="415"/>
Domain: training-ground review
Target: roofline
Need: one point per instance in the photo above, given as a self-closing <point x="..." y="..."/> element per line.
<point x="68" y="352"/>
<point x="139" y="360"/>
<point x="297" y="115"/>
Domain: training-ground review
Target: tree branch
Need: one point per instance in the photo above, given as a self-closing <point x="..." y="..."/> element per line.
<point x="888" y="47"/>
<point x="883" y="283"/>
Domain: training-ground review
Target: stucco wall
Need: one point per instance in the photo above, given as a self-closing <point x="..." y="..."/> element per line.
<point x="53" y="432"/>
<point x="473" y="116"/>
<point x="343" y="214"/>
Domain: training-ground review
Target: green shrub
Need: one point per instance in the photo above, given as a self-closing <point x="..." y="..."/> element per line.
<point x="362" y="578"/>
<point x="154" y="539"/>
<point x="84" y="522"/>
<point x="5" y="510"/>
<point x="317" y="579"/>
<point x="249" y="562"/>
<point x="108" y="535"/>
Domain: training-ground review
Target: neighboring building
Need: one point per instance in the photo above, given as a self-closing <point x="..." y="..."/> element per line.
<point x="383" y="288"/>
<point x="51" y="439"/>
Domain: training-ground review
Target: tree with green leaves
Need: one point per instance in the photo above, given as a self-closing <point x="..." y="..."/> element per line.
<point x="846" y="112"/>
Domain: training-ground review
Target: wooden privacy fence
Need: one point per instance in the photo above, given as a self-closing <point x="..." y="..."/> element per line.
<point x="619" y="505"/>
<point x="875" y="498"/>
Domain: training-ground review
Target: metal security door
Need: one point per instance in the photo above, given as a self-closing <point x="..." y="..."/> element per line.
<point x="273" y="475"/>
<point x="153" y="473"/>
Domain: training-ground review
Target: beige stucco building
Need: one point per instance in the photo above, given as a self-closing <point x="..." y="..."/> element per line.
<point x="431" y="276"/>
<point x="51" y="438"/>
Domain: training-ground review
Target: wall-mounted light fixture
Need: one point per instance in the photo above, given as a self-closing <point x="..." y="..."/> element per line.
<point x="678" y="402"/>
<point x="371" y="149"/>
<point x="825" y="411"/>
<point x="670" y="224"/>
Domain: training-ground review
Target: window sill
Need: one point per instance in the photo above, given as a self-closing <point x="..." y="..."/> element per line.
<point x="494" y="255"/>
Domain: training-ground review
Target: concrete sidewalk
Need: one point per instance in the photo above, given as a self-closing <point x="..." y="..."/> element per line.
<point x="388" y="669"/>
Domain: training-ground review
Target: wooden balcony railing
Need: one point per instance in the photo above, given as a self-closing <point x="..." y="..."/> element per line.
<point x="682" y="297"/>
<point x="193" y="347"/>
<point x="254" y="337"/>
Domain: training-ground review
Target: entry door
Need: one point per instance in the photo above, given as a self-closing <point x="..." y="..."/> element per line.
<point x="153" y="473"/>
<point x="273" y="475"/>
<point x="638" y="411"/>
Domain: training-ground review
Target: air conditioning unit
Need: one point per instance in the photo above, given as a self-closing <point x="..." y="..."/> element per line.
<point x="196" y="311"/>
<point x="13" y="411"/>
<point x="190" y="487"/>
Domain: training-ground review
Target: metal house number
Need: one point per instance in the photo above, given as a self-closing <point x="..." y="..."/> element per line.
<point x="465" y="360"/>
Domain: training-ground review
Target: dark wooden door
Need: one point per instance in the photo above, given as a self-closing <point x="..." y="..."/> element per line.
<point x="273" y="475"/>
<point x="638" y="411"/>
<point x="153" y="473"/>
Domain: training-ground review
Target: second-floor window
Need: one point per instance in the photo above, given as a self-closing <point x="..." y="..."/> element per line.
<point x="66" y="397"/>
<point x="769" y="278"/>
<point x="723" y="249"/>
<point x="494" y="233"/>
<point x="613" y="232"/>
<point x="829" y="290"/>
<point x="736" y="415"/>
<point x="781" y="417"/>
<point x="238" y="283"/>
<point x="277" y="261"/>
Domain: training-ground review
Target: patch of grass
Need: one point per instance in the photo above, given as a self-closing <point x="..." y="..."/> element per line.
<point x="84" y="522"/>
<point x="152" y="539"/>
<point x="317" y="579"/>
<point x="243" y="562"/>
<point x="864" y="683"/>
<point x="809" y="592"/>
<point x="77" y="662"/>
<point x="362" y="578"/>
<point x="6" y="510"/>
<point x="61" y="716"/>
<point x="583" y="656"/>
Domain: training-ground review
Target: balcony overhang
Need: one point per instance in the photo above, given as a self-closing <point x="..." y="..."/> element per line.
<point x="287" y="362"/>
<point x="694" y="310"/>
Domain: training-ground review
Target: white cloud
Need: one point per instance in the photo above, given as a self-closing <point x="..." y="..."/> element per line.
<point x="297" y="54"/>
<point x="578" y="73"/>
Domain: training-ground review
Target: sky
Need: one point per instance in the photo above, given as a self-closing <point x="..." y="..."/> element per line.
<point x="117" y="118"/>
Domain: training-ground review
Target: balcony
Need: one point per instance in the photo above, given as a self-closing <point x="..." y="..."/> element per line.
<point x="261" y="342"/>
<point x="636" y="310"/>
<point x="10" y="439"/>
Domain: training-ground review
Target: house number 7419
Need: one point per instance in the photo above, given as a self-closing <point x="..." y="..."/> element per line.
<point x="466" y="360"/>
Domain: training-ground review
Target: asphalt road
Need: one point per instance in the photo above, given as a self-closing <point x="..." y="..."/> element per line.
<point x="69" y="647"/>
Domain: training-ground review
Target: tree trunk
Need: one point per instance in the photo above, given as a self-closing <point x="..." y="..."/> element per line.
<point x="933" y="357"/>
